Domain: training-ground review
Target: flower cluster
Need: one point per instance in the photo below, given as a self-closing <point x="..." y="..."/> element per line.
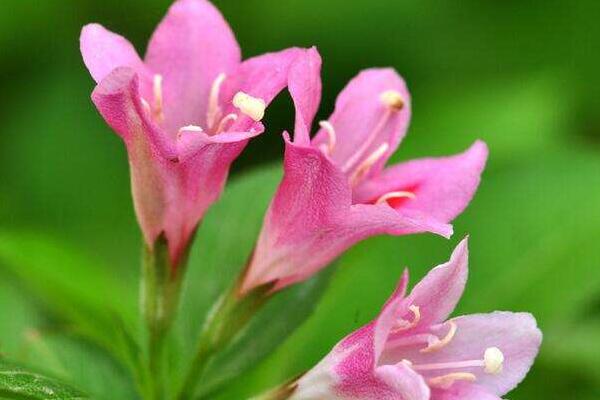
<point x="186" y="112"/>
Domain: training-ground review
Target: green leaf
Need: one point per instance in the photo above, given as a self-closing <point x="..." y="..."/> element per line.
<point x="223" y="245"/>
<point x="74" y="287"/>
<point x="77" y="361"/>
<point x="76" y="293"/>
<point x="18" y="383"/>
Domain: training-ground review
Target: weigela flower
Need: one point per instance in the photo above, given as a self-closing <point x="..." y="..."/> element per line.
<point x="413" y="352"/>
<point x="335" y="190"/>
<point x="185" y="112"/>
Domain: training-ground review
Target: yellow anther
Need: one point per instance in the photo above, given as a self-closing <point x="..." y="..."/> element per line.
<point x="189" y="128"/>
<point x="493" y="360"/>
<point x="253" y="107"/>
<point x="393" y="99"/>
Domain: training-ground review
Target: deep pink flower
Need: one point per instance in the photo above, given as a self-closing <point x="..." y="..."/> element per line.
<point x="335" y="190"/>
<point x="412" y="352"/>
<point x="185" y="112"/>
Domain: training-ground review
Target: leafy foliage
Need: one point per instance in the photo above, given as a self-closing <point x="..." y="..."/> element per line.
<point x="18" y="383"/>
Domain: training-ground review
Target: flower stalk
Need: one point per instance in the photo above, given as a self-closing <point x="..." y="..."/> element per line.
<point x="160" y="293"/>
<point x="228" y="317"/>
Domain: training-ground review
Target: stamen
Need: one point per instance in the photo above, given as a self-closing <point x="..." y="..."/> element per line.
<point x="439" y="344"/>
<point x="158" y="97"/>
<point x="403" y="325"/>
<point x="330" y="130"/>
<point x="224" y="121"/>
<point x="395" y="195"/>
<point x="393" y="99"/>
<point x="368" y="142"/>
<point x="212" y="114"/>
<point x="146" y="106"/>
<point x="366" y="165"/>
<point x="253" y="107"/>
<point x="445" y="381"/>
<point x="493" y="360"/>
<point x="189" y="128"/>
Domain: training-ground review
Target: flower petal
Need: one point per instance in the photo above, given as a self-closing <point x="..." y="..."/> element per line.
<point x="311" y="221"/>
<point x="385" y="219"/>
<point x="437" y="294"/>
<point x="305" y="89"/>
<point x="515" y="334"/>
<point x="463" y="391"/>
<point x="402" y="382"/>
<point x="388" y="316"/>
<point x="442" y="187"/>
<point x="117" y="99"/>
<point x="198" y="182"/>
<point x="363" y="123"/>
<point x="190" y="141"/>
<point x="190" y="48"/>
<point x="103" y="51"/>
<point x="299" y="220"/>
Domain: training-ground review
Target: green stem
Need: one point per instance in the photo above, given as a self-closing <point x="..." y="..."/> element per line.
<point x="161" y="287"/>
<point x="228" y="316"/>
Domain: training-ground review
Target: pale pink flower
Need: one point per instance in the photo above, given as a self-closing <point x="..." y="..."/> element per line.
<point x="185" y="112"/>
<point x="335" y="190"/>
<point x="413" y="352"/>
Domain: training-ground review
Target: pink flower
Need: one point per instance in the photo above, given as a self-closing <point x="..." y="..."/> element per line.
<point x="335" y="190"/>
<point x="412" y="352"/>
<point x="185" y="112"/>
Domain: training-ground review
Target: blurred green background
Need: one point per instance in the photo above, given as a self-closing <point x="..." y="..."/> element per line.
<point x="521" y="75"/>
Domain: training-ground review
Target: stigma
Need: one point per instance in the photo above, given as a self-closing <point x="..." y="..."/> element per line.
<point x="253" y="107"/>
<point x="392" y="99"/>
